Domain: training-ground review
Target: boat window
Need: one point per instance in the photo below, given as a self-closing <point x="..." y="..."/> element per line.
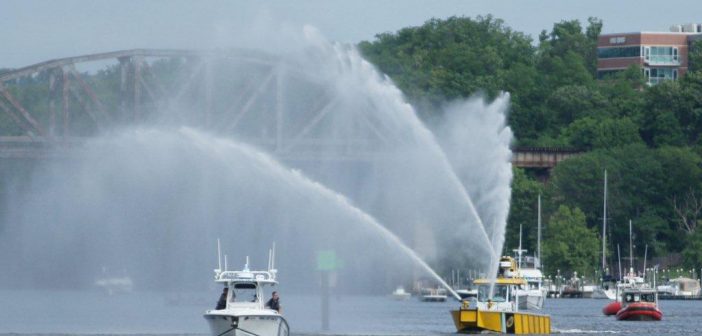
<point x="629" y="298"/>
<point x="243" y="292"/>
<point x="648" y="297"/>
<point x="483" y="293"/>
<point x="500" y="294"/>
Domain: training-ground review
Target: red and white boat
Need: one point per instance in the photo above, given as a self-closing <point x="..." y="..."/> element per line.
<point x="639" y="304"/>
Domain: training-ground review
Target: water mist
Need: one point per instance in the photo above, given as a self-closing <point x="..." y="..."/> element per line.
<point x="349" y="154"/>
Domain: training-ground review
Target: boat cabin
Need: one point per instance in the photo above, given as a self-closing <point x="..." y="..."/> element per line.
<point x="638" y="295"/>
<point x="504" y="294"/>
<point x="246" y="288"/>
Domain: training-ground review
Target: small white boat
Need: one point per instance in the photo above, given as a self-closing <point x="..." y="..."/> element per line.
<point x="400" y="294"/>
<point x="244" y="313"/>
<point x="680" y="287"/>
<point x="467" y="293"/>
<point x="433" y="294"/>
<point x="115" y="285"/>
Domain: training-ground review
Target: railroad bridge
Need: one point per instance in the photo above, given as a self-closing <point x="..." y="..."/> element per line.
<point x="50" y="107"/>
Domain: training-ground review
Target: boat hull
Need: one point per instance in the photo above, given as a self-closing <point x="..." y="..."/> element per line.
<point x="470" y="321"/>
<point x="247" y="325"/>
<point x="433" y="298"/>
<point x="639" y="312"/>
<point x="608" y="294"/>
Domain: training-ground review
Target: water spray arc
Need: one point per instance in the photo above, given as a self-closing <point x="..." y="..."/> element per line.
<point x="269" y="164"/>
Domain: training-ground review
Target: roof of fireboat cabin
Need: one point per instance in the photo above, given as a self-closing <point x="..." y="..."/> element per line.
<point x="501" y="281"/>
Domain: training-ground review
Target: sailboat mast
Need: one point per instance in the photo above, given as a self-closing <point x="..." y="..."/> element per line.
<point x="631" y="250"/>
<point x="645" y="256"/>
<point x="604" y="223"/>
<point x="619" y="258"/>
<point x="538" y="233"/>
<point x="520" y="247"/>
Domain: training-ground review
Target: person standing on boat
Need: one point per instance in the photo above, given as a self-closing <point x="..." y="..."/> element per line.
<point x="274" y="302"/>
<point x="222" y="303"/>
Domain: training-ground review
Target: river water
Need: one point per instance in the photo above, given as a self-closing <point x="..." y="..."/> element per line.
<point x="149" y="313"/>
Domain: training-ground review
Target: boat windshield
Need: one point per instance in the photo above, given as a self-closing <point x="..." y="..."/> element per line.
<point x="243" y="292"/>
<point x="640" y="297"/>
<point x="500" y="294"/>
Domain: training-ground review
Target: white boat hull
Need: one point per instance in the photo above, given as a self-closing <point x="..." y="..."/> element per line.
<point x="247" y="325"/>
<point x="609" y="294"/>
<point x="535" y="301"/>
<point x="531" y="299"/>
<point x="401" y="297"/>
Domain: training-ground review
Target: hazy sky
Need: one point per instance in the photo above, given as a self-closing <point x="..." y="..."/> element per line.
<point x="38" y="30"/>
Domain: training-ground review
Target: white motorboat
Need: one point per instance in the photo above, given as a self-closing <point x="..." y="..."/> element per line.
<point x="400" y="294"/>
<point x="112" y="284"/>
<point x="529" y="268"/>
<point x="680" y="287"/>
<point x="244" y="313"/>
<point x="535" y="292"/>
<point x="115" y="285"/>
<point x="605" y="291"/>
<point x="433" y="294"/>
<point x="467" y="293"/>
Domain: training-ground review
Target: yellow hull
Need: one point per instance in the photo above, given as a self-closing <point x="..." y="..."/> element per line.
<point x="474" y="321"/>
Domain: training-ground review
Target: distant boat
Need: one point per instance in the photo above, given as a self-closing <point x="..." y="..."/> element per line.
<point x="680" y="287"/>
<point x="607" y="289"/>
<point x="400" y="294"/>
<point x="112" y="284"/>
<point x="467" y="293"/>
<point x="115" y="285"/>
<point x="529" y="268"/>
<point x="433" y="294"/>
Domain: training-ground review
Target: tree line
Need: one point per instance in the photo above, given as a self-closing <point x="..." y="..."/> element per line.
<point x="646" y="137"/>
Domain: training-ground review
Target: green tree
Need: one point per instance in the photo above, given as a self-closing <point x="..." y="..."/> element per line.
<point x="451" y="58"/>
<point x="692" y="253"/>
<point x="569" y="245"/>
<point x="523" y="210"/>
<point x="694" y="56"/>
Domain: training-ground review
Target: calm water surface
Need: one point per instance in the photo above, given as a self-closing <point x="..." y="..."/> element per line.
<point x="92" y="313"/>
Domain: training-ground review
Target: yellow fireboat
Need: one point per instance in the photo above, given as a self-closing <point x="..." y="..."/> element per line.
<point x="500" y="313"/>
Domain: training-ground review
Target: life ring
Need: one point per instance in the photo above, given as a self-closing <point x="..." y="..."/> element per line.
<point x="510" y="321"/>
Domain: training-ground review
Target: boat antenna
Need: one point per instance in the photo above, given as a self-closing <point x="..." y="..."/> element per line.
<point x="219" y="256"/>
<point x="604" y="222"/>
<point x="273" y="257"/>
<point x="538" y="234"/>
<point x="246" y="267"/>
<point x="225" y="263"/>
<point x="270" y="255"/>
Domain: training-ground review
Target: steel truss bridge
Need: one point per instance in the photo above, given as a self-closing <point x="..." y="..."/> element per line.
<point x="56" y="106"/>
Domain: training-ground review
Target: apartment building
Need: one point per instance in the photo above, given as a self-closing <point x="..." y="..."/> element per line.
<point x="661" y="55"/>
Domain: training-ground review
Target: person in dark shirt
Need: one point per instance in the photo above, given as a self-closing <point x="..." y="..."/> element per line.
<point x="222" y="303"/>
<point x="274" y="302"/>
